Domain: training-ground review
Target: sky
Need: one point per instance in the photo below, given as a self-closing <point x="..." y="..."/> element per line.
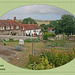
<point x="38" y="12"/>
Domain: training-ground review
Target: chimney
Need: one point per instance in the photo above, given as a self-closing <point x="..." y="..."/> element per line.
<point x="15" y="19"/>
<point x="28" y="22"/>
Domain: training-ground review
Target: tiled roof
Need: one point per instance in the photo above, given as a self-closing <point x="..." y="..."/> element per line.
<point x="13" y="23"/>
<point x="50" y="28"/>
<point x="8" y="22"/>
<point x="30" y="26"/>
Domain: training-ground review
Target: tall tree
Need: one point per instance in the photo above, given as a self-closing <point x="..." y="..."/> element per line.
<point x="44" y="27"/>
<point x="65" y="25"/>
<point x="52" y="24"/>
<point x="25" y="21"/>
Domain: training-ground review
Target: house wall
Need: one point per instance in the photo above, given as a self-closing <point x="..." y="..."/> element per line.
<point x="37" y="31"/>
<point x="50" y="31"/>
<point x="8" y="32"/>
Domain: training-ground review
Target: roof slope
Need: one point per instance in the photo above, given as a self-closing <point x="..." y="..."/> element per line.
<point x="13" y="23"/>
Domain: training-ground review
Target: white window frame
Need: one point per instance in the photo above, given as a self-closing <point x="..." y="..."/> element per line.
<point x="7" y="27"/>
<point x="23" y="28"/>
<point x="2" y="28"/>
<point x="17" y="27"/>
<point x="11" y="27"/>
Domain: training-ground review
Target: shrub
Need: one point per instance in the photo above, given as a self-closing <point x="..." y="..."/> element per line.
<point x="44" y="64"/>
<point x="10" y="39"/>
<point x="51" y="34"/>
<point x="50" y="59"/>
<point x="45" y="36"/>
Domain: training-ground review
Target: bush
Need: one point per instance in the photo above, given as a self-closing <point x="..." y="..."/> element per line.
<point x="42" y="65"/>
<point x="45" y="36"/>
<point x="58" y="57"/>
<point x="10" y="40"/>
<point x="51" y="34"/>
<point x="50" y="59"/>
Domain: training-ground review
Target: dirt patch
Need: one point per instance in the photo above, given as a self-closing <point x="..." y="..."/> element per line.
<point x="7" y="52"/>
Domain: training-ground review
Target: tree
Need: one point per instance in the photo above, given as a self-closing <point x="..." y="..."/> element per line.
<point x="25" y="21"/>
<point x="65" y="25"/>
<point x="44" y="27"/>
<point x="52" y="24"/>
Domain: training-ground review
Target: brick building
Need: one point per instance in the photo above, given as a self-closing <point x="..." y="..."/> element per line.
<point x="9" y="27"/>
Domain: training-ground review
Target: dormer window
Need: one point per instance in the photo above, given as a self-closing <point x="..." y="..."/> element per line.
<point x="7" y="27"/>
<point x="23" y="28"/>
<point x="11" y="27"/>
<point x="2" y="28"/>
<point x="17" y="27"/>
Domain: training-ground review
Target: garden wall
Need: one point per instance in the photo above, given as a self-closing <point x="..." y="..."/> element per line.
<point x="7" y="37"/>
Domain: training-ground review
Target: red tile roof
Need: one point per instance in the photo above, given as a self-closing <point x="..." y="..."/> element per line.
<point x="50" y="28"/>
<point x="30" y="27"/>
<point x="13" y="23"/>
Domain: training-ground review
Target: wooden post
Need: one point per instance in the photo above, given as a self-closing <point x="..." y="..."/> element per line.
<point x="32" y="45"/>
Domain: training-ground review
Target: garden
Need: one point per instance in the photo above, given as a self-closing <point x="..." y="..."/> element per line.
<point x="53" y="50"/>
<point x="46" y="54"/>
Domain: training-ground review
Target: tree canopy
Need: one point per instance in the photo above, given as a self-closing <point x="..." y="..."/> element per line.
<point x="25" y="21"/>
<point x="65" y="25"/>
<point x="44" y="27"/>
<point x="52" y="24"/>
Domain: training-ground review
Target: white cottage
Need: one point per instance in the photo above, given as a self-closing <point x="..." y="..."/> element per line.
<point x="31" y="29"/>
<point x="11" y="27"/>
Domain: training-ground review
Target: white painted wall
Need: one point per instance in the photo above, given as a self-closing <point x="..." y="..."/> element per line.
<point x="37" y="31"/>
<point x="51" y="31"/>
<point x="1" y="28"/>
<point x="7" y="27"/>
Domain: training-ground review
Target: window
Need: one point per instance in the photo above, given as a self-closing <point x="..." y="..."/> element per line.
<point x="11" y="27"/>
<point x="7" y="27"/>
<point x="2" y="28"/>
<point x="17" y="27"/>
<point x="23" y="28"/>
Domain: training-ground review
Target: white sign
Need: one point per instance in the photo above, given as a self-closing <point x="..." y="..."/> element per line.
<point x="21" y="42"/>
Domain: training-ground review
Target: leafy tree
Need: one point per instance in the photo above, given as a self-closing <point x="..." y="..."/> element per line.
<point x="52" y="24"/>
<point x="44" y="27"/>
<point x="25" y="21"/>
<point x="65" y="25"/>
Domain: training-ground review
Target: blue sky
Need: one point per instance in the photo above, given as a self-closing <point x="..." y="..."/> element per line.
<point x="41" y="12"/>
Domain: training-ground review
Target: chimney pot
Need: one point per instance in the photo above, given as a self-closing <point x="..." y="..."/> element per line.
<point x="15" y="19"/>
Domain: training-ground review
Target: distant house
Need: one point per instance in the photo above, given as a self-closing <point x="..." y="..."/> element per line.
<point x="51" y="30"/>
<point x="11" y="26"/>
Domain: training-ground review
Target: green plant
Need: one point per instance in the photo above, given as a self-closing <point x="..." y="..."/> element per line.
<point x="51" y="34"/>
<point x="45" y="36"/>
<point x="44" y="64"/>
<point x="10" y="39"/>
<point x="50" y="59"/>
